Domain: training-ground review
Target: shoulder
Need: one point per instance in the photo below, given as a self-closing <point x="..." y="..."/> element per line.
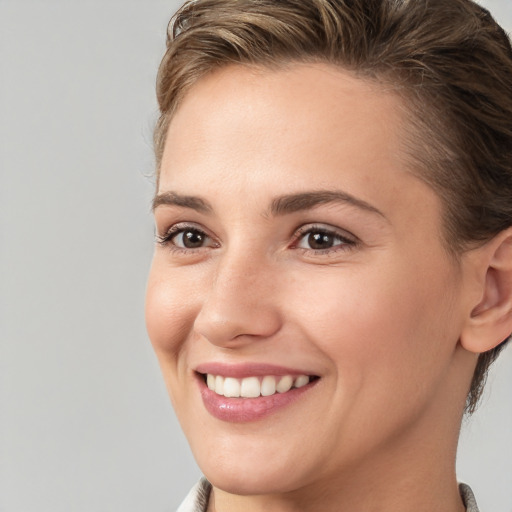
<point x="197" y="498"/>
<point x="468" y="498"/>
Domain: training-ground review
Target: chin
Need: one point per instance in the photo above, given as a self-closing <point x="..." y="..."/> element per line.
<point x="258" y="471"/>
<point x="253" y="481"/>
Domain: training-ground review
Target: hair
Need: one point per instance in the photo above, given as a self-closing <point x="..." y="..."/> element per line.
<point x="448" y="59"/>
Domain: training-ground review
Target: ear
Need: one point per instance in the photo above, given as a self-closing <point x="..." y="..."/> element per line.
<point x="490" y="320"/>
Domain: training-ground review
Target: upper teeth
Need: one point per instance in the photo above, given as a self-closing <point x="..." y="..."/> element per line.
<point x="252" y="387"/>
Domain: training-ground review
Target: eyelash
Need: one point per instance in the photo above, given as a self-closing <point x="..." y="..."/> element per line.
<point x="167" y="239"/>
<point x="345" y="241"/>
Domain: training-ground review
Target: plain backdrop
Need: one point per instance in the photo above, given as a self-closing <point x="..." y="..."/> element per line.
<point x="85" y="422"/>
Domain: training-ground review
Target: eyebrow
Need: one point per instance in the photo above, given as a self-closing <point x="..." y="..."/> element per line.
<point x="282" y="205"/>
<point x="174" y="199"/>
<point x="307" y="200"/>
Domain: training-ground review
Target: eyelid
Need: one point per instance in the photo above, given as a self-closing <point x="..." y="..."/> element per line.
<point x="166" y="238"/>
<point x="346" y="239"/>
<point x="349" y="240"/>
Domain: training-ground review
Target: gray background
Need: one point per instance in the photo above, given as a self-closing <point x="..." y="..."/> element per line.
<point x="85" y="423"/>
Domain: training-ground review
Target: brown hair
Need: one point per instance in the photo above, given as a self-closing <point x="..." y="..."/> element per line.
<point x="448" y="59"/>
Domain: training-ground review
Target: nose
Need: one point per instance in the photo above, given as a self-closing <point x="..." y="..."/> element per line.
<point x="240" y="305"/>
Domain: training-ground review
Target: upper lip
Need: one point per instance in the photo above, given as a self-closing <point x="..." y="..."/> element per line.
<point x="243" y="370"/>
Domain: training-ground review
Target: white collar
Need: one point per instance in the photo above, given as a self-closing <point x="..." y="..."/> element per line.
<point x="197" y="498"/>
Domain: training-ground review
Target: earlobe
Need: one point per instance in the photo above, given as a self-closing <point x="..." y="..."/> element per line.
<point x="490" y="320"/>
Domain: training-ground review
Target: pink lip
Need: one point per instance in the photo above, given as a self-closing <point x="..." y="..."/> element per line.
<point x="241" y="371"/>
<point x="244" y="410"/>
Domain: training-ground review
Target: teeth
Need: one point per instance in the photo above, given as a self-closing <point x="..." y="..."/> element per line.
<point x="250" y="387"/>
<point x="210" y="381"/>
<point x="268" y="386"/>
<point x="284" y="384"/>
<point x="219" y="385"/>
<point x="231" y="387"/>
<point x="253" y="387"/>
<point x="301" y="381"/>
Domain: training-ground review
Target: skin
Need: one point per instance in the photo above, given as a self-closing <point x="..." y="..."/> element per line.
<point x="378" y="316"/>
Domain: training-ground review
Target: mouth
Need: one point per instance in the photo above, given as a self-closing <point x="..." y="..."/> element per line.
<point x="245" y="398"/>
<point x="254" y="387"/>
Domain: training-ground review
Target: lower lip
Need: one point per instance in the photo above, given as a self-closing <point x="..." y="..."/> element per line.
<point x="244" y="410"/>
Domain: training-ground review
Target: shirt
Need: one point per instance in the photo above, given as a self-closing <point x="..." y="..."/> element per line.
<point x="197" y="499"/>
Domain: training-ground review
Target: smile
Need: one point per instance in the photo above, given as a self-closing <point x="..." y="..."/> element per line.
<point x="254" y="387"/>
<point x="251" y="391"/>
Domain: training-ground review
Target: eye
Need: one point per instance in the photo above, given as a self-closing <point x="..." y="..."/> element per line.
<point x="323" y="239"/>
<point x="190" y="239"/>
<point x="186" y="237"/>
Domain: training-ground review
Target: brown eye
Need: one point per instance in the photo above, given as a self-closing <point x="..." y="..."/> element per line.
<point x="319" y="241"/>
<point x="190" y="239"/>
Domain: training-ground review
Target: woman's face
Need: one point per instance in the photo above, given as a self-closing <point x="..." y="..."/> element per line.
<point x="295" y="242"/>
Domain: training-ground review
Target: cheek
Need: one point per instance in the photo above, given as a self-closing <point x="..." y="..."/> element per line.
<point x="389" y="323"/>
<point x="169" y="319"/>
<point x="169" y="310"/>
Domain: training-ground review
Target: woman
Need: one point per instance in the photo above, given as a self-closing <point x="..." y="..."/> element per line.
<point x="333" y="273"/>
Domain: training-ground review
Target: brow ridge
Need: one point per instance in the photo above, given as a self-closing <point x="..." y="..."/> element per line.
<point x="307" y="200"/>
<point x="175" y="199"/>
<point x="282" y="205"/>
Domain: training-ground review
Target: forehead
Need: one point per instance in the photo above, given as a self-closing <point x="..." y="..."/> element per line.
<point x="315" y="124"/>
<point x="294" y="102"/>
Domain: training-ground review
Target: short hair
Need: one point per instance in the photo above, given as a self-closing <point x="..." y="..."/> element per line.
<point x="448" y="59"/>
